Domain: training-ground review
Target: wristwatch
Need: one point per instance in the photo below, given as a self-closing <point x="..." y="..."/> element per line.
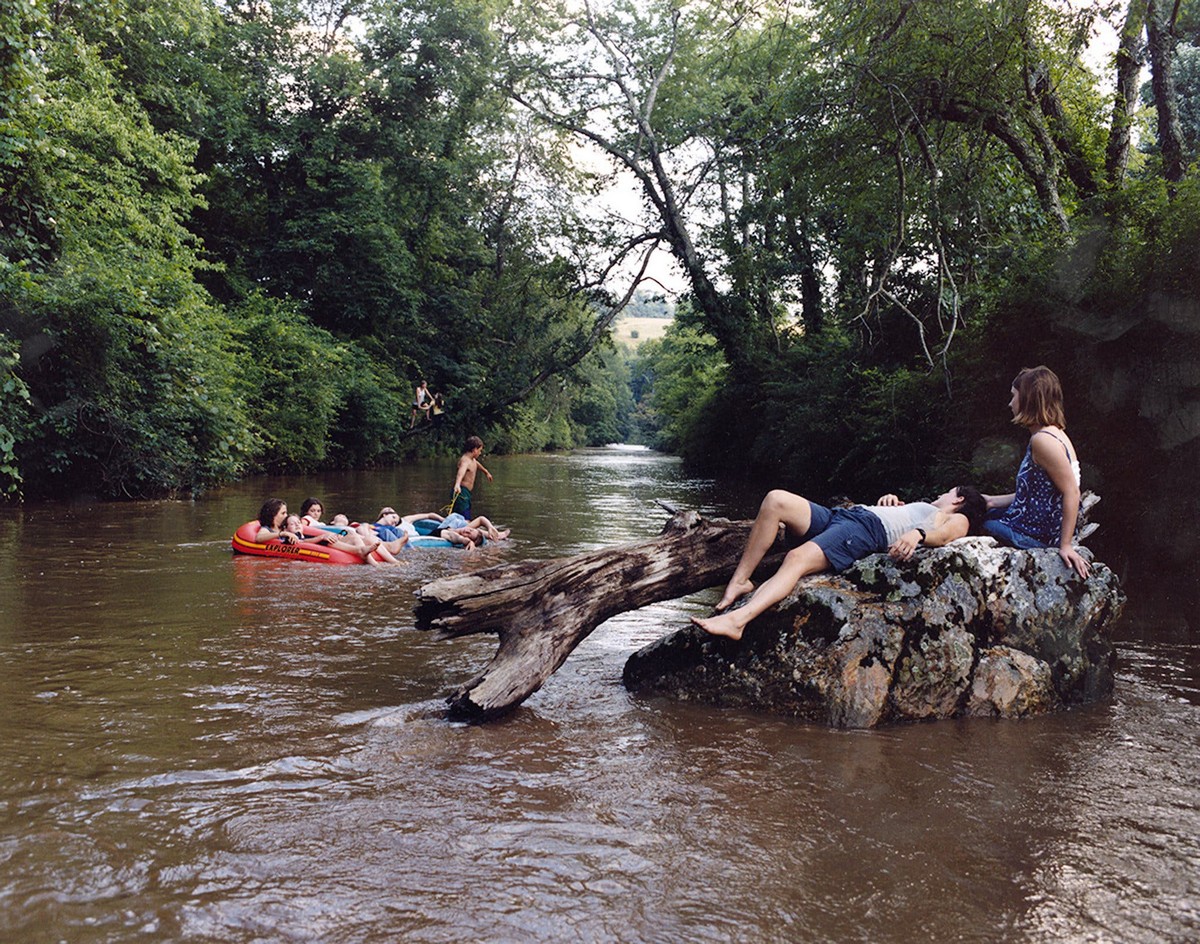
<point x="920" y="531"/>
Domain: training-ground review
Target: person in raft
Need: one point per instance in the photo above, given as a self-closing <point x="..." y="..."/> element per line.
<point x="458" y="530"/>
<point x="1044" y="509"/>
<point x="311" y="511"/>
<point x="272" y="521"/>
<point x="391" y="526"/>
<point x="836" y="538"/>
<point x="464" y="480"/>
<point x="422" y="403"/>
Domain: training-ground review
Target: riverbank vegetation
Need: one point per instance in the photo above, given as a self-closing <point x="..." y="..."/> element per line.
<point x="233" y="235"/>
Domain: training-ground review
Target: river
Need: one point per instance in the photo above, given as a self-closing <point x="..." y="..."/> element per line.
<point x="202" y="747"/>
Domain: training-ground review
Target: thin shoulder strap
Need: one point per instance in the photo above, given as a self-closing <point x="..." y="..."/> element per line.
<point x="1057" y="440"/>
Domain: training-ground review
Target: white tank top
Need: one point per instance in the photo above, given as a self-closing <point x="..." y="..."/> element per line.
<point x="898" y="520"/>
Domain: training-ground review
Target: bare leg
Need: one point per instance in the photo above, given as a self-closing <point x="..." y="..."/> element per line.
<point x="778" y="507"/>
<point x="798" y="562"/>
<point x="385" y="553"/>
<point x="485" y="525"/>
<point x="363" y="550"/>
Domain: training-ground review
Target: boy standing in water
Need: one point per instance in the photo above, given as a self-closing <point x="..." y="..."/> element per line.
<point x="464" y="481"/>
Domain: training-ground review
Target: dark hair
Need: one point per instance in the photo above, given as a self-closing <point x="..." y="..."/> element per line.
<point x="473" y="442"/>
<point x="974" y="506"/>
<point x="267" y="513"/>
<point x="308" y="503"/>
<point x="1039" y="398"/>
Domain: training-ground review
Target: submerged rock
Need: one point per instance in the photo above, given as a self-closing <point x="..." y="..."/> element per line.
<point x="972" y="629"/>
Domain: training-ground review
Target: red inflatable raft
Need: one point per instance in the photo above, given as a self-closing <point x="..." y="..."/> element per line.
<point x="244" y="543"/>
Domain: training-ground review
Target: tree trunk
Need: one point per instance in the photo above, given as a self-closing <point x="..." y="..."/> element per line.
<point x="542" y="610"/>
<point x="1064" y="136"/>
<point x="1004" y="127"/>
<point x="1130" y="53"/>
<point x="1160" y="31"/>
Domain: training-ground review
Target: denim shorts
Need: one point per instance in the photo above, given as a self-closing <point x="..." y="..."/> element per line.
<point x="845" y="535"/>
<point x="1001" y="531"/>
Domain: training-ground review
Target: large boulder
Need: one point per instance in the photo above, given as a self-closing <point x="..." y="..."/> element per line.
<point x="972" y="629"/>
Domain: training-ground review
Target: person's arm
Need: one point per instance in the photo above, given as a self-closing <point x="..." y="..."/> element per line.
<point x="479" y="465"/>
<point x="1048" y="452"/>
<point x="265" y="534"/>
<point x="999" y="502"/>
<point x="889" y="501"/>
<point x="946" y="528"/>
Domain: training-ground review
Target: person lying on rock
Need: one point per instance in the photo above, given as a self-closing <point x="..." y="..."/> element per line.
<point x="833" y="539"/>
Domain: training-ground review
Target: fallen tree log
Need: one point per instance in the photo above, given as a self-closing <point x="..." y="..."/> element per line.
<point x="542" y="610"/>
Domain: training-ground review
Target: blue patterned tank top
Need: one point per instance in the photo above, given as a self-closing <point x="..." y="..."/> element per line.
<point x="1036" y="508"/>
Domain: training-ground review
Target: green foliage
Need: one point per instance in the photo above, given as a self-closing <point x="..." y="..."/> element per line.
<point x="21" y="21"/>
<point x="15" y="407"/>
<point x="127" y="367"/>
<point x="602" y="405"/>
<point x="314" y="401"/>
<point x="589" y="406"/>
<point x="680" y="377"/>
<point x="292" y="384"/>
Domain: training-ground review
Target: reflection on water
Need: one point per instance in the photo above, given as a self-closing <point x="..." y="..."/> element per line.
<point x="198" y="747"/>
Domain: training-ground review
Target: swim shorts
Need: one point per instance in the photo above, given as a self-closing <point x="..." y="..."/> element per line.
<point x="845" y="535"/>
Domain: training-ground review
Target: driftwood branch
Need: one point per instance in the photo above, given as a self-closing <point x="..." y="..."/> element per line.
<point x="542" y="610"/>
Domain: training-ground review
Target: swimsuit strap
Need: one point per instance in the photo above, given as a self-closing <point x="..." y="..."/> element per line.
<point x="1057" y="440"/>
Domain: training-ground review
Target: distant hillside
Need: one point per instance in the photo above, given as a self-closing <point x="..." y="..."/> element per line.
<point x="626" y="326"/>
<point x="647" y="316"/>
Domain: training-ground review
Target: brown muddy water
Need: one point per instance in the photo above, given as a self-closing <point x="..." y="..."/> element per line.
<point x="201" y="747"/>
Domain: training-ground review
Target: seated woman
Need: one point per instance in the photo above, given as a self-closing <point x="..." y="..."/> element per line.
<point x="1044" y="509"/>
<point x="311" y="511"/>
<point x="272" y="526"/>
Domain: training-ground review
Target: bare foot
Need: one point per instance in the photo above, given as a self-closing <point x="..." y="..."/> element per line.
<point x="727" y="624"/>
<point x="734" y="592"/>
